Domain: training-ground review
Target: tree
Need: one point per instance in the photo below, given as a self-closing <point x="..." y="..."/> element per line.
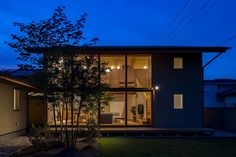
<point x="57" y="31"/>
<point x="70" y="82"/>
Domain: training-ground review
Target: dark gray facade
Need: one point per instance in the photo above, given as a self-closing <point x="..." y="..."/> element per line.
<point x="187" y="81"/>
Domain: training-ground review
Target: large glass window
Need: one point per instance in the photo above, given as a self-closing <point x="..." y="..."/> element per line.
<point x="139" y="71"/>
<point x="128" y="106"/>
<point x="60" y="115"/>
<point x="114" y="112"/>
<point x="139" y="108"/>
<point x="116" y="73"/>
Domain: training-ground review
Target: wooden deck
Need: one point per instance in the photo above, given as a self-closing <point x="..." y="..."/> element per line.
<point x="151" y="131"/>
<point x="157" y="132"/>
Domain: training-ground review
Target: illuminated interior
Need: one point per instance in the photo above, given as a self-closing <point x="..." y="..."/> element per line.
<point x="116" y="74"/>
<point x="130" y="79"/>
<point x="139" y="71"/>
<point x="138" y="109"/>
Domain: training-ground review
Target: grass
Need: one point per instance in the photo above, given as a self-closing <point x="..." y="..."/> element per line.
<point x="147" y="147"/>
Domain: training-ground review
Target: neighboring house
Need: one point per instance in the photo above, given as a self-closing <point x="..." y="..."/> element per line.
<point x="164" y="84"/>
<point x="13" y="105"/>
<point x="219" y="93"/>
<point x="220" y="104"/>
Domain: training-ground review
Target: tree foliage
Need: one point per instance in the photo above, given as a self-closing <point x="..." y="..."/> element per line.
<point x="70" y="81"/>
<point x="56" y="31"/>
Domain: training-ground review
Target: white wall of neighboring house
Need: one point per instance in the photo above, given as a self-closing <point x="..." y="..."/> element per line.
<point x="12" y="121"/>
<point x="230" y="101"/>
<point x="210" y="100"/>
<point x="210" y="92"/>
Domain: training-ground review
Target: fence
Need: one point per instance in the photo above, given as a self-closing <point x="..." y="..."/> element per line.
<point x="220" y="118"/>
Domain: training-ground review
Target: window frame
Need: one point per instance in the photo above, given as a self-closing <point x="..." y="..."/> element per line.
<point x="126" y="90"/>
<point x="176" y="61"/>
<point x="149" y="65"/>
<point x="178" y="105"/>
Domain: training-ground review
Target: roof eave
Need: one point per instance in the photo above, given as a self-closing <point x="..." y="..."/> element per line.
<point x="17" y="82"/>
<point x="127" y="48"/>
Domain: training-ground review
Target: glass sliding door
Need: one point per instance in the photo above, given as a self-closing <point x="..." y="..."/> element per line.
<point x="139" y="106"/>
<point x="114" y="112"/>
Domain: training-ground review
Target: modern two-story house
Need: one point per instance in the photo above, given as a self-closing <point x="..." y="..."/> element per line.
<point x="162" y="85"/>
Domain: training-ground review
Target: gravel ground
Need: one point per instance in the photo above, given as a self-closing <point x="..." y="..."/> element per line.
<point x="8" y="147"/>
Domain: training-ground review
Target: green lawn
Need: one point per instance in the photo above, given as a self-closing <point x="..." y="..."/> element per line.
<point x="141" y="147"/>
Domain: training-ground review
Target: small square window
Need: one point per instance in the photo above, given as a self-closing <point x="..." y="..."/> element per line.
<point x="178" y="101"/>
<point x="16" y="100"/>
<point x="178" y="63"/>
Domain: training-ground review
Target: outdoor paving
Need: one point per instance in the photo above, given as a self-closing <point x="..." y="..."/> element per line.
<point x="9" y="146"/>
<point x="220" y="133"/>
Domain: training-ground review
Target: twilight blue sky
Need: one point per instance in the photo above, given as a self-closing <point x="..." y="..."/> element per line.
<point x="137" y="22"/>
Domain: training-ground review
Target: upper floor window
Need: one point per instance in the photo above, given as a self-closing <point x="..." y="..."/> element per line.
<point x="139" y="69"/>
<point x="115" y="75"/>
<point x="178" y="63"/>
<point x="16" y="106"/>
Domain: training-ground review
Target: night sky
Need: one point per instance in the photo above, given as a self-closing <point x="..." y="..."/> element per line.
<point x="137" y="22"/>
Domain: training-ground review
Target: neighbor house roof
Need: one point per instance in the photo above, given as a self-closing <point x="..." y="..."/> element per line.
<point x="16" y="82"/>
<point x="130" y="49"/>
<point x="19" y="73"/>
<point x="231" y="91"/>
<point x="220" y="81"/>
